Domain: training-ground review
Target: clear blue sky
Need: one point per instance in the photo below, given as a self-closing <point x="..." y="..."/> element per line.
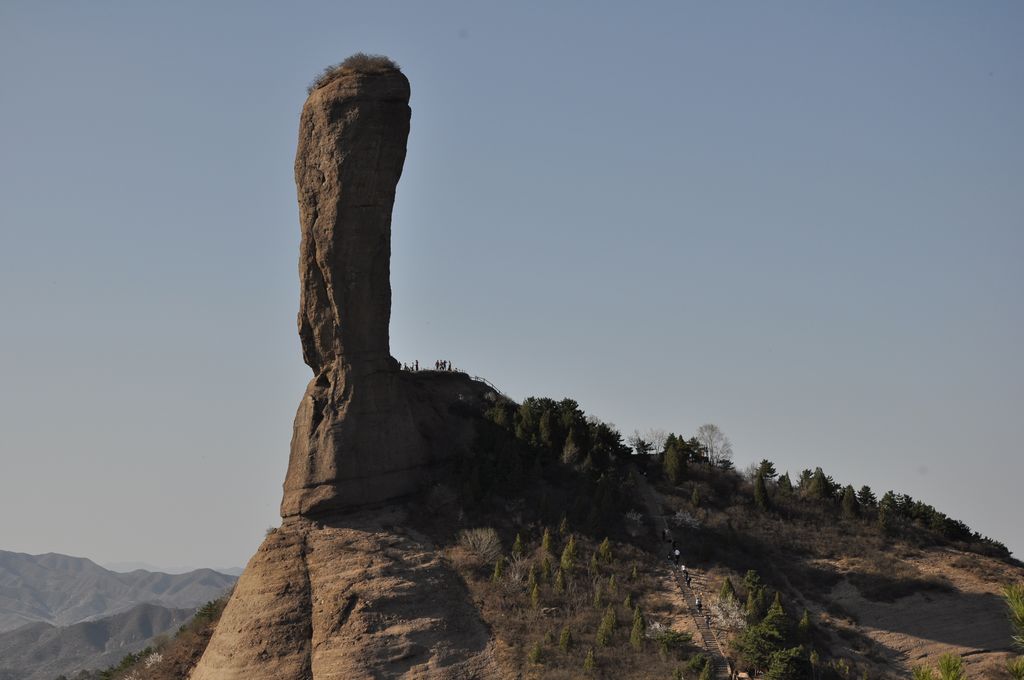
<point x="802" y="221"/>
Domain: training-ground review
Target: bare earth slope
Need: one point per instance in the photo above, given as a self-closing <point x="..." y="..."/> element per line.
<point x="969" y="621"/>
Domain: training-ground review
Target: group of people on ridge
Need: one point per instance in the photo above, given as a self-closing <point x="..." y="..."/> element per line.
<point x="439" y="365"/>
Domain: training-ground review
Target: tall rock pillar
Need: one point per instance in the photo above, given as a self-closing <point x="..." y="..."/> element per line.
<point x="354" y="439"/>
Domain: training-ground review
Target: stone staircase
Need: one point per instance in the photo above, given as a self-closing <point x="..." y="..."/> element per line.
<point x="698" y="585"/>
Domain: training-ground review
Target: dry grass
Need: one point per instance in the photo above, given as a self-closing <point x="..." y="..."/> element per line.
<point x="357" y="63"/>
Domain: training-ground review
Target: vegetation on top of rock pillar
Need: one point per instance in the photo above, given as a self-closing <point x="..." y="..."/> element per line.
<point x="359" y="62"/>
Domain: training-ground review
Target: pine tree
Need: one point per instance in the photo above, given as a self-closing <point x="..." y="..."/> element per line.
<point x="499" y="569"/>
<point x="766" y="469"/>
<point x="866" y="498"/>
<point x="803" y="629"/>
<point x="593" y="566"/>
<point x="784" y="486"/>
<point x="545" y="543"/>
<point x="761" y="494"/>
<point x="559" y="582"/>
<point x="607" y="627"/>
<point x="598" y="601"/>
<point x="605" y="550"/>
<point x="589" y="664"/>
<point x="674" y="465"/>
<point x="565" y="639"/>
<point x="535" y="653"/>
<point x="535" y="596"/>
<point x="613" y="586"/>
<point x="569" y="555"/>
<point x="531" y="579"/>
<point x="518" y="550"/>
<point x="848" y="505"/>
<point x="563" y="526"/>
<point x="728" y="592"/>
<point x="633" y="574"/>
<point x="636" y="636"/>
<point x="628" y="602"/>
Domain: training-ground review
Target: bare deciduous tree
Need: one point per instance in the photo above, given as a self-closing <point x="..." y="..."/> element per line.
<point x="717" y="446"/>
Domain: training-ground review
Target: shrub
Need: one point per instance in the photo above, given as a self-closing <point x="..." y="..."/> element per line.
<point x="357" y="63"/>
<point x="483" y="543"/>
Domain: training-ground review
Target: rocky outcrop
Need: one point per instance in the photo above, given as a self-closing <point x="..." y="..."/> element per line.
<point x="364" y="431"/>
<point x="339" y="592"/>
<point x="350" y="600"/>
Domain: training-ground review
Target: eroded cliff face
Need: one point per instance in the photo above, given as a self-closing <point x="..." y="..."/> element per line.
<point x="364" y="430"/>
<point x="346" y="601"/>
<point x="340" y="591"/>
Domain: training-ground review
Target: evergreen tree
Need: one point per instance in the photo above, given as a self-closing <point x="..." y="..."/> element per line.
<point x="531" y="578"/>
<point x="728" y="592"/>
<point x="545" y="568"/>
<point x="518" y="550"/>
<point x="535" y="596"/>
<point x="787" y="664"/>
<point x="628" y="602"/>
<point x="563" y="526"/>
<point x="673" y="465"/>
<point x="598" y="601"/>
<point x="545" y="542"/>
<point x="849" y="505"/>
<point x="607" y="627"/>
<point x="636" y="635"/>
<point x="803" y="629"/>
<point x="707" y="672"/>
<point x="565" y="639"/>
<point x="761" y="494"/>
<point x="535" y="653"/>
<point x="784" y="486"/>
<point x="819" y="487"/>
<point x="605" y="550"/>
<point x="559" y="582"/>
<point x="613" y="586"/>
<point x="499" y="569"/>
<point x="569" y="555"/>
<point x="866" y="498"/>
<point x="589" y="664"/>
<point x="766" y="469"/>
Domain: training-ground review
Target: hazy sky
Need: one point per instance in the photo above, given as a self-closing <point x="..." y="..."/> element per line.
<point x="801" y="221"/>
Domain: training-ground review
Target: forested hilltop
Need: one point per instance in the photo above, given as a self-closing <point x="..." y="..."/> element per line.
<point x="564" y="533"/>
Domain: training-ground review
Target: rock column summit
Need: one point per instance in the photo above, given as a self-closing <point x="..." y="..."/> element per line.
<point x="361" y="434"/>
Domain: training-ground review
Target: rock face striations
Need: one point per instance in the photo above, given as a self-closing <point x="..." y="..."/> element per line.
<point x="364" y="430"/>
<point x="338" y="591"/>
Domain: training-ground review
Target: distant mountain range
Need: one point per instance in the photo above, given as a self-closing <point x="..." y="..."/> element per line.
<point x="61" y="591"/>
<point x="39" y="651"/>
<point x="127" y="567"/>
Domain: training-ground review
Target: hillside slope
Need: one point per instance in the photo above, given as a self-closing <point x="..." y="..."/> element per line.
<point x="39" y="651"/>
<point x="62" y="590"/>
